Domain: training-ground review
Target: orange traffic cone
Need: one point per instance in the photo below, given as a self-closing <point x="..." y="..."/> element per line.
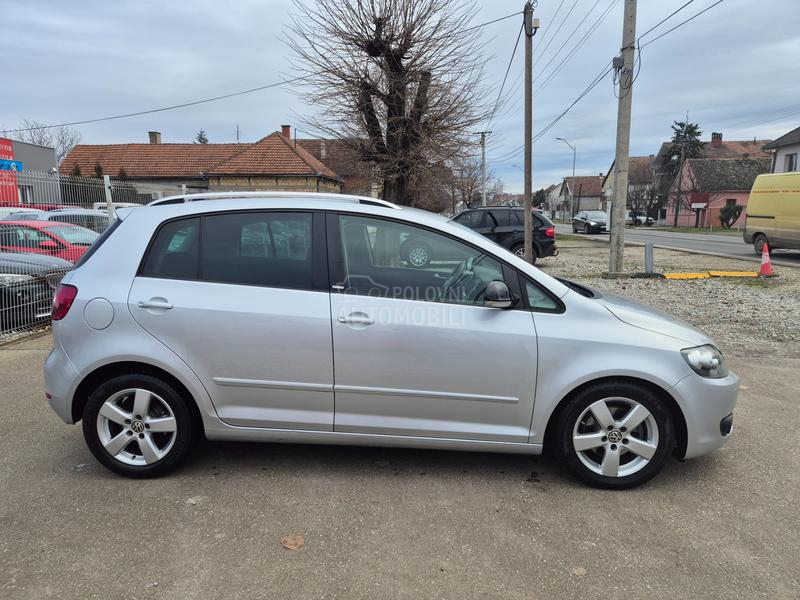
<point x="766" y="265"/>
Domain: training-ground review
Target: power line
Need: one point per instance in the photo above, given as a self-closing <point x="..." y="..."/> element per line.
<point x="564" y="20"/>
<point x="665" y="19"/>
<point x="555" y="16"/>
<point x="681" y="24"/>
<point x="156" y="110"/>
<point x="519" y="12"/>
<point x="571" y="35"/>
<point x="505" y="77"/>
<point x="579" y="45"/>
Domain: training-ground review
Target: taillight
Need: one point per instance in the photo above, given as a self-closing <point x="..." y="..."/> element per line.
<point x="62" y="301"/>
<point x="550" y="232"/>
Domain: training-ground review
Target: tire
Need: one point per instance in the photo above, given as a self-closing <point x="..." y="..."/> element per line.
<point x="159" y="406"/>
<point x="418" y="255"/>
<point x="519" y="250"/>
<point x="653" y="437"/>
<point x="758" y="244"/>
<point x="574" y="228"/>
<point x="587" y="230"/>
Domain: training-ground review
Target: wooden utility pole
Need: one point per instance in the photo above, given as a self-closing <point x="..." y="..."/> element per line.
<point x="625" y="78"/>
<point x="531" y="25"/>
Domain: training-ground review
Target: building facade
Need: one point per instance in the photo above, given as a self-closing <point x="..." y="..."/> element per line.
<point x="786" y="152"/>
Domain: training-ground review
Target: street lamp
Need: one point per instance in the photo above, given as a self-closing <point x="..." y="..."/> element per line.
<point x="572" y="187"/>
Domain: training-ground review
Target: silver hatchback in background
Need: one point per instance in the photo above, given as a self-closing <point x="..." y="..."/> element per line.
<point x="295" y="318"/>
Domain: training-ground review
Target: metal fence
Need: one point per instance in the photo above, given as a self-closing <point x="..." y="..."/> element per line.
<point x="47" y="222"/>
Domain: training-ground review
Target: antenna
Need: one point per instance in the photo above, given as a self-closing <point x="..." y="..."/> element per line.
<point x="237" y="133"/>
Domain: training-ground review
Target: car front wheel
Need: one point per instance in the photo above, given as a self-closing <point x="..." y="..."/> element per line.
<point x="615" y="435"/>
<point x="137" y="425"/>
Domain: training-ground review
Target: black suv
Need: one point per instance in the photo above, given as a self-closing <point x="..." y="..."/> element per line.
<point x="504" y="225"/>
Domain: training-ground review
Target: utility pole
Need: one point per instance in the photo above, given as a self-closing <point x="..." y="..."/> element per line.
<point x="531" y="26"/>
<point x="678" y="198"/>
<point x="625" y="72"/>
<point x="572" y="186"/>
<point x="483" y="135"/>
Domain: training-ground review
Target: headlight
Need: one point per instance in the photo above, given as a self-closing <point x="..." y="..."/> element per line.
<point x="12" y="278"/>
<point x="706" y="361"/>
<point x="592" y="223"/>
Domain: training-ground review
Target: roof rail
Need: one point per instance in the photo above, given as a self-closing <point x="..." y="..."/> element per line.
<point x="183" y="198"/>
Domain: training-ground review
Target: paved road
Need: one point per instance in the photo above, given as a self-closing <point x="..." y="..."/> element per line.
<point x="724" y="245"/>
<point x="382" y="523"/>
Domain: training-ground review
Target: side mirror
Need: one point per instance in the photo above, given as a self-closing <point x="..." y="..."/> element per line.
<point x="497" y="295"/>
<point x="48" y="245"/>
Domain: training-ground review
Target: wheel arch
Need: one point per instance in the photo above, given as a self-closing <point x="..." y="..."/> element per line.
<point x="105" y="372"/>
<point x="678" y="418"/>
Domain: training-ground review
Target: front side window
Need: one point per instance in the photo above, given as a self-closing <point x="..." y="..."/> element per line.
<point x="538" y="299"/>
<point x="396" y="260"/>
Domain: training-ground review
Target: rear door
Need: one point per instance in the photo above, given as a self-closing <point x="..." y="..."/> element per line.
<point x="242" y="298"/>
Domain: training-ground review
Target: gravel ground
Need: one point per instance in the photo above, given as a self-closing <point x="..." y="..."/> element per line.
<point x="746" y="317"/>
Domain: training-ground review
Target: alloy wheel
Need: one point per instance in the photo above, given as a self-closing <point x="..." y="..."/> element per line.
<point x="615" y="437"/>
<point x="136" y="427"/>
<point x="418" y="256"/>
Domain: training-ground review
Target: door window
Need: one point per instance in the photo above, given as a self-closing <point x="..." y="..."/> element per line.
<point x="395" y="260"/>
<point x="502" y="218"/>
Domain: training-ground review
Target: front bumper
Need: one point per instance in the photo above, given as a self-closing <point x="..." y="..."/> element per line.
<point x="706" y="405"/>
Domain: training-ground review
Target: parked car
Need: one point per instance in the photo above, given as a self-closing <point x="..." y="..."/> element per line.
<point x="61" y="240"/>
<point x="589" y="221"/>
<point x="640" y="219"/>
<point x="505" y="226"/>
<point x="96" y="220"/>
<point x="773" y="213"/>
<point x="17" y="210"/>
<point x="27" y="284"/>
<point x="104" y="205"/>
<point x="170" y="330"/>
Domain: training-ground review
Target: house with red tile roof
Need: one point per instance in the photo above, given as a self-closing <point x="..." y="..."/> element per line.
<point x="273" y="163"/>
<point x="584" y="192"/>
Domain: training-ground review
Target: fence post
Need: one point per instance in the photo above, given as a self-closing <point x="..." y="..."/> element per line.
<point x="109" y="200"/>
<point x="648" y="257"/>
<point x="183" y="189"/>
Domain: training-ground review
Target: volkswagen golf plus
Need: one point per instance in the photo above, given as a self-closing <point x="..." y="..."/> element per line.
<point x="296" y="318"/>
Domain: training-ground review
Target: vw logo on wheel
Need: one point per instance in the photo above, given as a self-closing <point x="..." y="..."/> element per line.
<point x="137" y="427"/>
<point x="615" y="436"/>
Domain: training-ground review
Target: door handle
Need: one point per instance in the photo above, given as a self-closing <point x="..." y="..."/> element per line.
<point x="356" y="320"/>
<point x="162" y="304"/>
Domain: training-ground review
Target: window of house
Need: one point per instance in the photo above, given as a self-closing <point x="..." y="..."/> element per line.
<point x="730" y="202"/>
<point x="790" y="162"/>
<point x="395" y="260"/>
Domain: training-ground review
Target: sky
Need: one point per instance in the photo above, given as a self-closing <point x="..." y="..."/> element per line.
<point x="733" y="69"/>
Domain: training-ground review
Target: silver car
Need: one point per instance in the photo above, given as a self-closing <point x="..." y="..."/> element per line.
<point x="295" y="318"/>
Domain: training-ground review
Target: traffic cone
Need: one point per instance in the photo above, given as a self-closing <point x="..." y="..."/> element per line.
<point x="766" y="264"/>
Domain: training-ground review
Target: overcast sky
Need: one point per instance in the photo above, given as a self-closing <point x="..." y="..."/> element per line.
<point x="734" y="69"/>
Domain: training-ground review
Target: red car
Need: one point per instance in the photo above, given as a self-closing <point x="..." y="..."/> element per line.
<point x="62" y="240"/>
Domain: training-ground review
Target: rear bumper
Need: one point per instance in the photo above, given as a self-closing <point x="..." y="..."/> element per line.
<point x="59" y="375"/>
<point x="548" y="249"/>
<point x="707" y="406"/>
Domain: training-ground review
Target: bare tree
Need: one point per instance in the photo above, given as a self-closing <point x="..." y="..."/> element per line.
<point x="400" y="79"/>
<point x="61" y="139"/>
<point x="642" y="200"/>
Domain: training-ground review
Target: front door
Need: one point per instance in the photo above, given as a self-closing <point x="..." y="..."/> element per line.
<point x="416" y="351"/>
<point x="240" y="298"/>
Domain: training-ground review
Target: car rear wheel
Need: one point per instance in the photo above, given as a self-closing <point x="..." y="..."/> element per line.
<point x="137" y="425"/>
<point x="615" y="435"/>
<point x="758" y="244"/>
<point x="519" y="250"/>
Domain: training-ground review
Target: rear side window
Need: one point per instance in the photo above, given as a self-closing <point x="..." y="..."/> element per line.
<point x="502" y="217"/>
<point x="174" y="251"/>
<point x="258" y="248"/>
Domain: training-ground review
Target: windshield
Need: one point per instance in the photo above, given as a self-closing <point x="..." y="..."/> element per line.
<point x="596" y="214"/>
<point x="80" y="236"/>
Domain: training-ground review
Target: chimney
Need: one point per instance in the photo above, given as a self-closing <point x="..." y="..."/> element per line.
<point x="286" y="130"/>
<point x="716" y="139"/>
<point x="155" y="137"/>
<point x="323" y="151"/>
